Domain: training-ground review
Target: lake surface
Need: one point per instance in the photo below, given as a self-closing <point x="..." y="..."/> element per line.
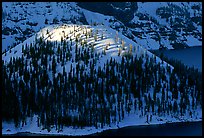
<point x="172" y="129"/>
<point x="189" y="56"/>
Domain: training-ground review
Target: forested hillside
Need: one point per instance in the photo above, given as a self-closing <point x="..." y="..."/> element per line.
<point x="79" y="76"/>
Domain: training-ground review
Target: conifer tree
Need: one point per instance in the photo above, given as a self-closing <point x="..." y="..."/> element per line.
<point x="123" y="45"/>
<point x="130" y="51"/>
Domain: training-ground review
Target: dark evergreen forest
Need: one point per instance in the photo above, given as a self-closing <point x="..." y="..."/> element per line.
<point x="88" y="96"/>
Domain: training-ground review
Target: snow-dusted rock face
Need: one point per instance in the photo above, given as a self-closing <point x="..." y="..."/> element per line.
<point x="156" y="25"/>
<point x="123" y="11"/>
<point x="153" y="25"/>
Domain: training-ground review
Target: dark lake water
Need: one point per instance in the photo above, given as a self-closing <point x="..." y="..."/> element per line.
<point x="173" y="129"/>
<point x="189" y="56"/>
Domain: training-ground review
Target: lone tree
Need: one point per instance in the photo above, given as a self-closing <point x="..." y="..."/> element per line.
<point x="107" y="45"/>
<point x="104" y="51"/>
<point x="95" y="37"/>
<point x="123" y="45"/>
<point x="130" y="51"/>
<point x="102" y="36"/>
<point x="46" y="21"/>
<point x="116" y="37"/>
<point x="119" y="51"/>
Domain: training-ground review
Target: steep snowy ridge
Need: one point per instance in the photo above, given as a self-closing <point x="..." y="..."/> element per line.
<point x="56" y="32"/>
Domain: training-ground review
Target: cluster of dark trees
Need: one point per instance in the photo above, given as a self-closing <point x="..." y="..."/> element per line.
<point x="86" y="95"/>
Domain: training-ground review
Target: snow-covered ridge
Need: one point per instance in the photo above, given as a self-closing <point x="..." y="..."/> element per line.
<point x="56" y="32"/>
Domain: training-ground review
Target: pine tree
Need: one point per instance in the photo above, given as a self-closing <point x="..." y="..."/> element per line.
<point x="119" y="51"/>
<point x="116" y="37"/>
<point x="53" y="65"/>
<point x="95" y="36"/>
<point x="107" y="45"/>
<point x="123" y="45"/>
<point x="130" y="51"/>
<point x="104" y="51"/>
<point x="102" y="36"/>
<point x="175" y="107"/>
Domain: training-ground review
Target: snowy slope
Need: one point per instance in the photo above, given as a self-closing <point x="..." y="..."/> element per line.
<point x="153" y="24"/>
<point x="23" y="18"/>
<point x="55" y="34"/>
